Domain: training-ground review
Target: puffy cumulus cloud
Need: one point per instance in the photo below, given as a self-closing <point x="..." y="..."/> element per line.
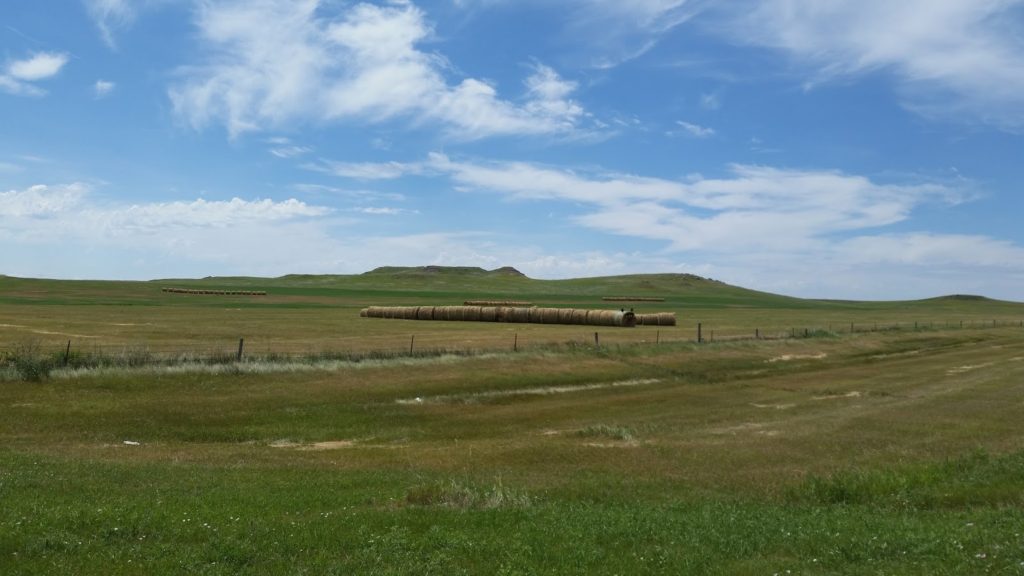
<point x="954" y="59"/>
<point x="273" y="62"/>
<point x="68" y="210"/>
<point x="41" y="201"/>
<point x="98" y="239"/>
<point x="19" y="76"/>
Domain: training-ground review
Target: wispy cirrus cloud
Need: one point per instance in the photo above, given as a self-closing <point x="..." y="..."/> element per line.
<point x="274" y="62"/>
<point x="19" y="77"/>
<point x="952" y="59"/>
<point x="696" y="130"/>
<point x="111" y="16"/>
<point x="610" y="32"/>
<point x="756" y="225"/>
<point x="103" y="88"/>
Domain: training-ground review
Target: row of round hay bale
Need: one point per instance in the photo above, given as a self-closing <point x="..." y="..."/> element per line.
<point x="631" y="299"/>
<point x="214" y="292"/>
<point x="611" y="318"/>
<point x="510" y="303"/>
<point x="504" y="314"/>
<point x="656" y="319"/>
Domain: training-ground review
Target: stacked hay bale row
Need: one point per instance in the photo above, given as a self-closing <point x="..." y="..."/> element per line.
<point x="658" y="319"/>
<point x="497" y="303"/>
<point x="631" y="299"/>
<point x="214" y="292"/>
<point x="504" y="314"/>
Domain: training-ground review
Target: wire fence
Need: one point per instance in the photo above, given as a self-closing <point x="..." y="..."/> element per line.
<point x="86" y="353"/>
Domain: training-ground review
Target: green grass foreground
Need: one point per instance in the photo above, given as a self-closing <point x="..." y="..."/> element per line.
<point x="881" y="451"/>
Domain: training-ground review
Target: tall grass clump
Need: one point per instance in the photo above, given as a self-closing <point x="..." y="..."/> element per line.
<point x="457" y="495"/>
<point x="606" y="431"/>
<point x="30" y="362"/>
<point x="977" y="479"/>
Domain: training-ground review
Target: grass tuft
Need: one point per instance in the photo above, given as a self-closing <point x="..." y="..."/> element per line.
<point x="30" y="362"/>
<point x="454" y="494"/>
<point x="978" y="479"/>
<point x="606" y="431"/>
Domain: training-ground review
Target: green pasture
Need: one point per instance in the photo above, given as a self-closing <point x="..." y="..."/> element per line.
<point x="882" y="451"/>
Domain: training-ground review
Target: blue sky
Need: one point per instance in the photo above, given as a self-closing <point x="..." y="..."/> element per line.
<point x="825" y="148"/>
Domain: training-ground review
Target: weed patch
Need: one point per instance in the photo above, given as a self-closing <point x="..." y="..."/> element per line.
<point x="606" y="431"/>
<point x="457" y="495"/>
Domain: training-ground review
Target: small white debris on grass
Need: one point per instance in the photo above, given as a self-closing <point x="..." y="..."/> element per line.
<point x="131" y="443"/>
<point x="789" y="357"/>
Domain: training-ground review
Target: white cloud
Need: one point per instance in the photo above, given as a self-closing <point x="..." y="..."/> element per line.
<point x="710" y="101"/>
<point x="290" y="151"/>
<point x="110" y="15"/>
<point x="18" y="76"/>
<point x="39" y="67"/>
<point x="933" y="250"/>
<point x="74" y="212"/>
<point x="103" y="88"/>
<point x="41" y="201"/>
<point x="954" y="59"/>
<point x="696" y="130"/>
<point x="383" y="211"/>
<point x="367" y="170"/>
<point x="271" y="63"/>
<point x="612" y="31"/>
<point x="756" y="207"/>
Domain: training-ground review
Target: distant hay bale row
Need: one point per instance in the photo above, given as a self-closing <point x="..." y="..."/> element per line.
<point x="514" y="303"/>
<point x="631" y="299"/>
<point x="504" y="314"/>
<point x="658" y="319"/>
<point x="214" y="292"/>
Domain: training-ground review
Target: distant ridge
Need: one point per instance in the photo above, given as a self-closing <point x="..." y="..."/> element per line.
<point x="443" y="270"/>
<point x="967" y="297"/>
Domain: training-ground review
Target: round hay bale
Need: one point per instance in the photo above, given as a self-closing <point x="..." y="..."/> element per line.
<point x="579" y="316"/>
<point x="518" y="315"/>
<point x="362" y="313"/>
<point x="471" y="313"/>
<point x="536" y="315"/>
<point x="488" y="314"/>
<point x="550" y="315"/>
<point x="425" y="313"/>
<point x="667" y="319"/>
<point x="565" y="315"/>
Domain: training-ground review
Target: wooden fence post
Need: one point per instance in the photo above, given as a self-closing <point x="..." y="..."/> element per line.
<point x="515" y="342"/>
<point x="597" y="340"/>
<point x="699" y="335"/>
<point x="67" y="353"/>
<point x="241" y="344"/>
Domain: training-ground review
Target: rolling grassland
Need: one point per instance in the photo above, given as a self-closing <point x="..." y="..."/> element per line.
<point x="872" y="452"/>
